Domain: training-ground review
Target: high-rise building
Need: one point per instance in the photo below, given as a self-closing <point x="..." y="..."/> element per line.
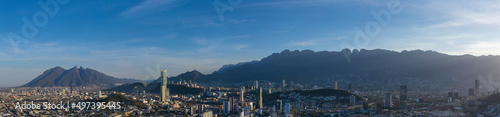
<point x="283" y="83"/>
<point x="278" y="106"/>
<point x="100" y="94"/>
<point x="260" y="98"/>
<point x="242" y="94"/>
<point x="287" y="108"/>
<point x="164" y="90"/>
<point x="231" y="101"/>
<point x="387" y="100"/>
<point x="256" y="85"/>
<point x="349" y="88"/>
<point x="335" y="85"/>
<point x="476" y="87"/>
<point x="403" y="96"/>
<point x="191" y="110"/>
<point x="250" y="105"/>
<point x="471" y="92"/>
<point x="200" y="108"/>
<point x="352" y="99"/>
<point x="226" y="107"/>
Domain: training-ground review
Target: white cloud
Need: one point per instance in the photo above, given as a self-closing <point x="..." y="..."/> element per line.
<point x="149" y="6"/>
<point x="302" y="43"/>
<point x="241" y="46"/>
<point x="459" y="27"/>
<point x="462" y="13"/>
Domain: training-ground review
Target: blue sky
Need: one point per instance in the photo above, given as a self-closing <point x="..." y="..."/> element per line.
<point x="138" y="38"/>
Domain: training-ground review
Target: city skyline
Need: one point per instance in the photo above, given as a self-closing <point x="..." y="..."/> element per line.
<point x="129" y="39"/>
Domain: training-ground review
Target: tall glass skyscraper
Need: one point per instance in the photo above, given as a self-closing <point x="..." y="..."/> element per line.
<point x="164" y="90"/>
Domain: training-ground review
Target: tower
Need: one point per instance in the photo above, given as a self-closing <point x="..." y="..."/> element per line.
<point x="200" y="108"/>
<point x="403" y="96"/>
<point x="387" y="100"/>
<point x="471" y="92"/>
<point x="260" y="97"/>
<point x="226" y="107"/>
<point x="349" y="88"/>
<point x="256" y="84"/>
<point x="231" y="101"/>
<point x="352" y="99"/>
<point x="242" y="94"/>
<point x="278" y="106"/>
<point x="164" y="90"/>
<point x="283" y="83"/>
<point x="335" y="85"/>
<point x="287" y="108"/>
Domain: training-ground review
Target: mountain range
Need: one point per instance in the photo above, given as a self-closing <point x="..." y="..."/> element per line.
<point x="376" y="67"/>
<point x="58" y="76"/>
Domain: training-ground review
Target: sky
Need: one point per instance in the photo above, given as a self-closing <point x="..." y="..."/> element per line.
<point x="139" y="38"/>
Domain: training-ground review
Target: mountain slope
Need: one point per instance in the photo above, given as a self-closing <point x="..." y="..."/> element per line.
<point x="194" y="76"/>
<point x="58" y="76"/>
<point x="364" y="66"/>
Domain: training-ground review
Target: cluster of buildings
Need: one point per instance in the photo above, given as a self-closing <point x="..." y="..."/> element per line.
<point x="264" y="99"/>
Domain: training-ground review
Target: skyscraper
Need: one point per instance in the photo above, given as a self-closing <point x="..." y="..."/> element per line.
<point x="256" y="84"/>
<point x="231" y="102"/>
<point x="226" y="107"/>
<point x="278" y="106"/>
<point x="287" y="108"/>
<point x="260" y="98"/>
<point x="200" y="108"/>
<point x="250" y="105"/>
<point x="403" y="95"/>
<point x="283" y="83"/>
<point x="387" y="100"/>
<point x="191" y="110"/>
<point x="242" y="94"/>
<point x="164" y="90"/>
<point x="352" y="99"/>
<point x="349" y="88"/>
<point x="335" y="85"/>
<point x="471" y="92"/>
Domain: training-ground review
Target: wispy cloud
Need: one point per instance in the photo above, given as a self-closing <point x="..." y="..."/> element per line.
<point x="150" y="6"/>
<point x="302" y="43"/>
<point x="463" y="13"/>
<point x="241" y="46"/>
<point x="461" y="27"/>
<point x="291" y="3"/>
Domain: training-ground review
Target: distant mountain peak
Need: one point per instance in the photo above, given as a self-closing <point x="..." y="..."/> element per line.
<point x="59" y="76"/>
